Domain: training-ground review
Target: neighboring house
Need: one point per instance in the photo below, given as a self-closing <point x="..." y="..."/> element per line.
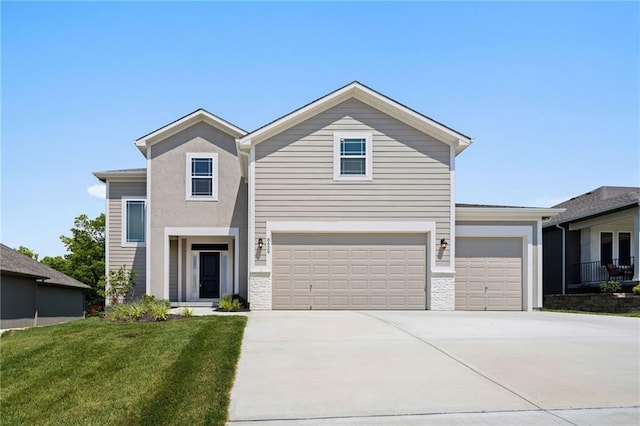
<point x="597" y="238"/>
<point x="33" y="294"/>
<point x="345" y="203"/>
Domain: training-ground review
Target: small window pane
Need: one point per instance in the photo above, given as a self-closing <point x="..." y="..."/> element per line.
<point x="135" y="221"/>
<point x="201" y="167"/>
<point x="352" y="166"/>
<point x="353" y="147"/>
<point x="606" y="248"/>
<point x="624" y="248"/>
<point x="201" y="187"/>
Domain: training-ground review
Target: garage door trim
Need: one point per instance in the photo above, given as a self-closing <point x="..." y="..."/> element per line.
<point x="524" y="232"/>
<point x="373" y="227"/>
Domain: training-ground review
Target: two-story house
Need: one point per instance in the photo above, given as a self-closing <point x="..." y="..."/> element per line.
<point x="345" y="203"/>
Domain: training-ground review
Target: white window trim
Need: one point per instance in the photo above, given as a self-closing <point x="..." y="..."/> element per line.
<point x="368" y="137"/>
<point x="123" y="229"/>
<point x="214" y="157"/>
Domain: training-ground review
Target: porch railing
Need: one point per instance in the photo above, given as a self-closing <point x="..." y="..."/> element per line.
<point x="596" y="272"/>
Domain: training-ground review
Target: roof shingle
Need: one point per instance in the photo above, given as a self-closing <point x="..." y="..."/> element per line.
<point x="15" y="263"/>
<point x="598" y="201"/>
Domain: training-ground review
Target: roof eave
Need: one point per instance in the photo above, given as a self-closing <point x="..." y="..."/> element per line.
<point x="593" y="214"/>
<point x="493" y="213"/>
<point x="184" y="122"/>
<point x="371" y="98"/>
<point x="121" y="177"/>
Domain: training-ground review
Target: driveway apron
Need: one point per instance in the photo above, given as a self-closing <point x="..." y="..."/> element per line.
<point x="313" y="365"/>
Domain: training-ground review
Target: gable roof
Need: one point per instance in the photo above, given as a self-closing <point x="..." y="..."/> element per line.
<point x="603" y="200"/>
<point x="14" y="263"/>
<point x="184" y="122"/>
<point x="370" y="97"/>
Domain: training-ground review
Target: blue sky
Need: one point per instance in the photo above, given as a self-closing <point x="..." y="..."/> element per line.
<point x="550" y="91"/>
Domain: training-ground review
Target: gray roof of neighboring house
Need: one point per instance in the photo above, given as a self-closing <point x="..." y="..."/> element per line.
<point x="597" y="202"/>
<point x="490" y="206"/>
<point x="14" y="263"/>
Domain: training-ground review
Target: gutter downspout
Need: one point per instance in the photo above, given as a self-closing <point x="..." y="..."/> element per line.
<point x="564" y="247"/>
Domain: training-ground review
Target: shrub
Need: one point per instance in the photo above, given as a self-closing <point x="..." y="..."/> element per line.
<point x="231" y="303"/>
<point x="145" y="309"/>
<point x="158" y="311"/>
<point x="610" y="286"/>
<point x="118" y="285"/>
<point x="186" y="312"/>
<point x="636" y="289"/>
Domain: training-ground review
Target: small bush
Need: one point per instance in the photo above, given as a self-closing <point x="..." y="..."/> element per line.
<point x="636" y="289"/>
<point x="145" y="309"/>
<point x="231" y="303"/>
<point x="610" y="286"/>
<point x="186" y="312"/>
<point x="158" y="311"/>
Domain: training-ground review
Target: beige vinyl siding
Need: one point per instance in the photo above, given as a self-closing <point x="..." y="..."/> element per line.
<point x="294" y="174"/>
<point x="132" y="257"/>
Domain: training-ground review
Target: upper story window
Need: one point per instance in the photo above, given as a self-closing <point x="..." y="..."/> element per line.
<point x="202" y="176"/>
<point x="352" y="156"/>
<point x="134" y="219"/>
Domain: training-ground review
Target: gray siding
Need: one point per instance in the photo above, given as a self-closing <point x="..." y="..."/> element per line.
<point x="132" y="257"/>
<point x="169" y="207"/>
<point x="294" y="174"/>
<point x="21" y="299"/>
<point x="59" y="304"/>
<point x="17" y="302"/>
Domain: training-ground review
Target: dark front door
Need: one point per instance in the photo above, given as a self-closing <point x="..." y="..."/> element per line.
<point x="209" y="275"/>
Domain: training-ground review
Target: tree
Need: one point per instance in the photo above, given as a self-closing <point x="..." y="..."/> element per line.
<point x="27" y="252"/>
<point x="84" y="260"/>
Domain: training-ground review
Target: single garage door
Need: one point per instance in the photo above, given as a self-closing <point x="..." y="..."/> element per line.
<point x="489" y="274"/>
<point x="349" y="271"/>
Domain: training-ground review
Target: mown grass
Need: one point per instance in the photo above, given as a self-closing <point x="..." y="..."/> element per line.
<point x="91" y="372"/>
<point x="569" y="311"/>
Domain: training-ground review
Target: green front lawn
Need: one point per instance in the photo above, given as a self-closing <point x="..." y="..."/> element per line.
<point x="92" y="372"/>
<point x="568" y="311"/>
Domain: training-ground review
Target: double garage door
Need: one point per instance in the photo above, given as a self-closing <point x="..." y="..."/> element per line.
<point x="349" y="271"/>
<point x="388" y="271"/>
<point x="489" y="274"/>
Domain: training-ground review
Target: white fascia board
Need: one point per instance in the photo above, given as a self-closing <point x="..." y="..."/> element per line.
<point x="122" y="177"/>
<point x="372" y="99"/>
<point x="504" y="213"/>
<point x="171" y="129"/>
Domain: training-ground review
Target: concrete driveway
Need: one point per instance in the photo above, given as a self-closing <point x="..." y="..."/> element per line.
<point x="394" y="367"/>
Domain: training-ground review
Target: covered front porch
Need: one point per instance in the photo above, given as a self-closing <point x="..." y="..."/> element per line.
<point x="201" y="265"/>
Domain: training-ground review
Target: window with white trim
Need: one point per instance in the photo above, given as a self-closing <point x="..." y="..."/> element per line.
<point x="134" y="220"/>
<point x="202" y="176"/>
<point x="352" y="156"/>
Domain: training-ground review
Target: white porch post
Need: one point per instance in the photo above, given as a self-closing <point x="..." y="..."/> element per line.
<point x="635" y="244"/>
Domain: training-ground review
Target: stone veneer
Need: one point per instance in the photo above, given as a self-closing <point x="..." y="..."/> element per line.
<point x="260" y="291"/>
<point x="443" y="291"/>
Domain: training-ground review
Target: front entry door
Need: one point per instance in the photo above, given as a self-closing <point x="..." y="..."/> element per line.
<point x="209" y="275"/>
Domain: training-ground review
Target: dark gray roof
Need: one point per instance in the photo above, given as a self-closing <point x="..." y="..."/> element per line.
<point x="14" y="263"/>
<point x="600" y="201"/>
<point x="490" y="206"/>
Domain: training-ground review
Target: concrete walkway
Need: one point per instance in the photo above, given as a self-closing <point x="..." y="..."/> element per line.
<point x="347" y="367"/>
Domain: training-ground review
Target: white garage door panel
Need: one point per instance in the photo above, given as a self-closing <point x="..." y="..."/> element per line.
<point x="489" y="274"/>
<point x="338" y="271"/>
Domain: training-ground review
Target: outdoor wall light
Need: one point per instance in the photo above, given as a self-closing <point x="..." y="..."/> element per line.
<point x="260" y="243"/>
<point x="443" y="244"/>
